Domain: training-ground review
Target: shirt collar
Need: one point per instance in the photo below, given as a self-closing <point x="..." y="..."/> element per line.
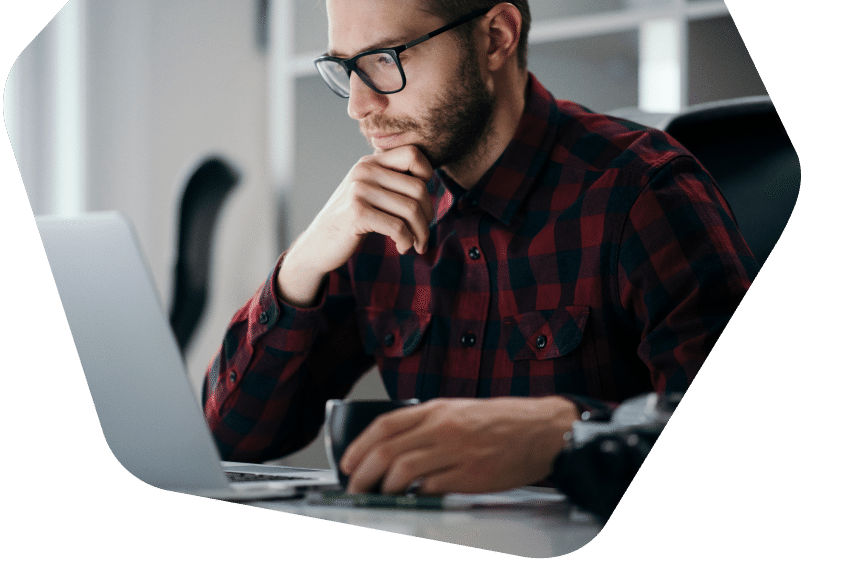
<point x="504" y="186"/>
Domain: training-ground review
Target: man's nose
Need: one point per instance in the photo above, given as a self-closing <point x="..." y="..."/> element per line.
<point x="363" y="101"/>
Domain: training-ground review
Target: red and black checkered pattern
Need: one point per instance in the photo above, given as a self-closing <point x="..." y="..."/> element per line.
<point x="596" y="259"/>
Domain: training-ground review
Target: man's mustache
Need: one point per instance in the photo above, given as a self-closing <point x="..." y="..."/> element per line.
<point x="387" y="125"/>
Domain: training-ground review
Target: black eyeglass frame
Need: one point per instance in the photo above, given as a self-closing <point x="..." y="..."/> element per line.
<point x="350" y="64"/>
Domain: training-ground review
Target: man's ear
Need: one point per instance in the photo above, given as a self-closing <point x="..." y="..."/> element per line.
<point x="503" y="24"/>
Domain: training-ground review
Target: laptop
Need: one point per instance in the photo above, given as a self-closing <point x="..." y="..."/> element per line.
<point x="151" y="418"/>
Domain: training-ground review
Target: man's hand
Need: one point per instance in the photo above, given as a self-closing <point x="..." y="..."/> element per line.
<point x="460" y="445"/>
<point x="384" y="193"/>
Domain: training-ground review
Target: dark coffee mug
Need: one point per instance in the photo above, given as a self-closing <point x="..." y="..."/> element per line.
<point x="345" y="419"/>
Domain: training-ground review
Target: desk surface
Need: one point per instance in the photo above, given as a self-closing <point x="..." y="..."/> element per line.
<point x="530" y="531"/>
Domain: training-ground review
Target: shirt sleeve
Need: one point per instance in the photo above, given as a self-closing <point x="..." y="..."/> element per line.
<point x="265" y="390"/>
<point x="683" y="268"/>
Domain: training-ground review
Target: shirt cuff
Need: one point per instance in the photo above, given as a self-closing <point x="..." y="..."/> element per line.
<point x="268" y="312"/>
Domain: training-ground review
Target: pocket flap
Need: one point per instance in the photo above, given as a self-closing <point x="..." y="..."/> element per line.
<point x="545" y="334"/>
<point x="393" y="332"/>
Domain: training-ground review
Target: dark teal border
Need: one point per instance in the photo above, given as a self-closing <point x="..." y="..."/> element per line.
<point x="746" y="481"/>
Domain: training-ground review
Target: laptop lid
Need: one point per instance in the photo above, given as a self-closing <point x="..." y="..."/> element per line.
<point x="150" y="416"/>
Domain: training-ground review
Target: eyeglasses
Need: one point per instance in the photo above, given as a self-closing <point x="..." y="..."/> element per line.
<point x="379" y="69"/>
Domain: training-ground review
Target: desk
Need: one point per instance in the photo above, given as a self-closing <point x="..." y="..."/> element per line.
<point x="534" y="532"/>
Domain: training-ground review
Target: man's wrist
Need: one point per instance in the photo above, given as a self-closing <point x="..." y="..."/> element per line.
<point x="561" y="414"/>
<point x="297" y="284"/>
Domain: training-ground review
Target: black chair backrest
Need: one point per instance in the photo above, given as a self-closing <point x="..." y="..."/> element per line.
<point x="205" y="192"/>
<point x="743" y="145"/>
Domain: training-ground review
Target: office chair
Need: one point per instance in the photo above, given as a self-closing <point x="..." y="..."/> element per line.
<point x="743" y="145"/>
<point x="203" y="196"/>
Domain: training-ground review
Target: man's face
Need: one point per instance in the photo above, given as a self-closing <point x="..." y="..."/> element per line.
<point x="445" y="106"/>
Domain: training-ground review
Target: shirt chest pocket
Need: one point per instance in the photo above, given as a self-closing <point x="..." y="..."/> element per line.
<point x="544" y="334"/>
<point x="392" y="333"/>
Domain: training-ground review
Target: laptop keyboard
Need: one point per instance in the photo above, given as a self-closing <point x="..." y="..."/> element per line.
<point x="242" y="477"/>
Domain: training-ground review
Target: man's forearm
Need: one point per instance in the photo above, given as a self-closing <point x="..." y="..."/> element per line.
<point x="268" y="355"/>
<point x="297" y="283"/>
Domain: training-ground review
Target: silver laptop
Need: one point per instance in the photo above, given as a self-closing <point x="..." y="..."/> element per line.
<point x="148" y="410"/>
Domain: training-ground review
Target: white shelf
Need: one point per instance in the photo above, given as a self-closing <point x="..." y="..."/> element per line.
<point x="554" y="30"/>
<point x="558" y="29"/>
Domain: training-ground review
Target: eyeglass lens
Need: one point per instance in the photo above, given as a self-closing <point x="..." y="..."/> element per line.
<point x="379" y="71"/>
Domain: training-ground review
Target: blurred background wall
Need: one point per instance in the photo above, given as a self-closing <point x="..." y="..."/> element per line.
<point x="115" y="104"/>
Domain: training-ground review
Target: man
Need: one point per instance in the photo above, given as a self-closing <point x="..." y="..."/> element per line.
<point x="555" y="259"/>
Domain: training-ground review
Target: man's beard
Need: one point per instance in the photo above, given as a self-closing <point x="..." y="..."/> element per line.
<point x="455" y="126"/>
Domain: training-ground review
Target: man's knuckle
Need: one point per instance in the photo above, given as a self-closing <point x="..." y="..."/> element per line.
<point x="402" y="469"/>
<point x="453" y="423"/>
<point x="422" y="190"/>
<point x="355" y="189"/>
<point x="399" y="228"/>
<point x="383" y="456"/>
<point x="359" y="208"/>
<point x="380" y="426"/>
<point x="412" y="207"/>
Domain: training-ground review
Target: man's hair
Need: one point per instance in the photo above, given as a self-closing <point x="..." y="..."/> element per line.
<point x="453" y="9"/>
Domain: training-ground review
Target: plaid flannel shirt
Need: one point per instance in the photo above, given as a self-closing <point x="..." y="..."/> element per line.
<point x="596" y="259"/>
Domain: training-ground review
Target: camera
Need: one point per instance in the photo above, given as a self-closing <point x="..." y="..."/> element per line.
<point x="601" y="458"/>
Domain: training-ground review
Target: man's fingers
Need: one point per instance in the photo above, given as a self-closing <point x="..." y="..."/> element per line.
<point x="414" y="465"/>
<point x="390" y="178"/>
<point x="406" y="159"/>
<point x="450" y="479"/>
<point x="382" y="429"/>
<point x="398" y="206"/>
<point x="372" y="219"/>
<point x="370" y="471"/>
<point x="396" y="463"/>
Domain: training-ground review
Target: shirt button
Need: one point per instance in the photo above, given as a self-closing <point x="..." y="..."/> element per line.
<point x="468" y="340"/>
<point x="541" y="341"/>
<point x="232" y="376"/>
<point x="389" y="339"/>
<point x="474" y="253"/>
<point x="263" y="318"/>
